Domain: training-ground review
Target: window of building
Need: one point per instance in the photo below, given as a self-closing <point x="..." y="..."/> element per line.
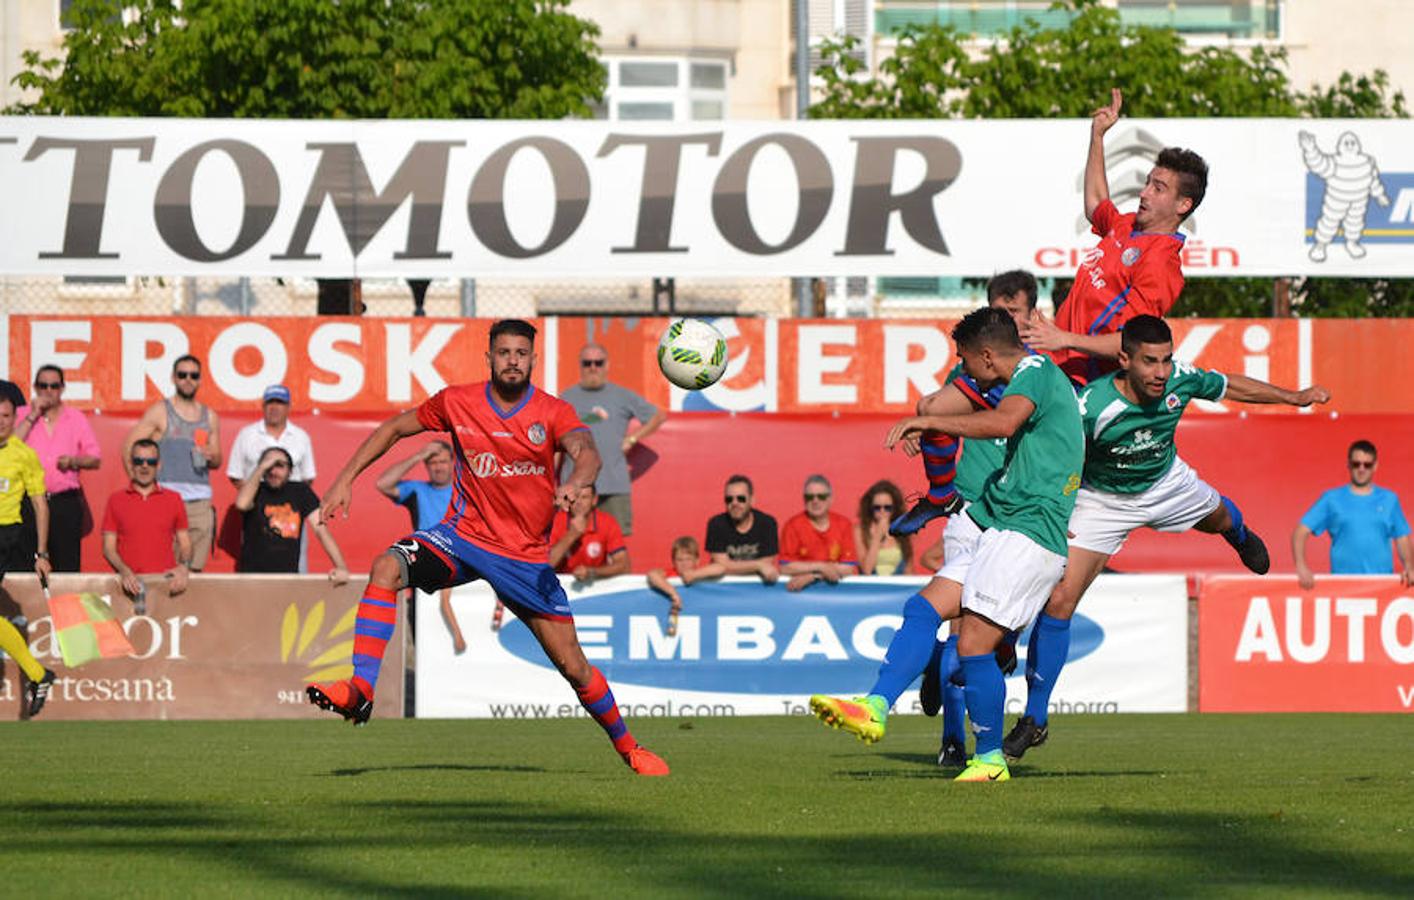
<point x="1197" y="20"/>
<point x="664" y="89"/>
<point x="835" y="20"/>
<point x="63" y="9"/>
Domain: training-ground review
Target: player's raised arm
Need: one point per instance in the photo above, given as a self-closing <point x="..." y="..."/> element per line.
<point x="1097" y="186"/>
<point x="578" y="445"/>
<point x="1249" y="390"/>
<point x="336" y="501"/>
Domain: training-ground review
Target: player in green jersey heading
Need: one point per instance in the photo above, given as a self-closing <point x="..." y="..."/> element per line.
<point x="1015" y="292"/>
<point x="1134" y="479"/>
<point x="1022" y="513"/>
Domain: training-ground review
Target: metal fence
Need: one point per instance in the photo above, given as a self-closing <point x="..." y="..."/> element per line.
<point x="166" y="296"/>
<point x="860" y="296"/>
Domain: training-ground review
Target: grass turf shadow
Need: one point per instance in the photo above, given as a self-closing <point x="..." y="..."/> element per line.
<point x="429" y="767"/>
<point x="1184" y="853"/>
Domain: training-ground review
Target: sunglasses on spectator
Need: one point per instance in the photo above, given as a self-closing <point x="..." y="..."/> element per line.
<point x="48" y="385"/>
<point x="187" y="376"/>
<point x="591" y="363"/>
<point x="1361" y="464"/>
<point x="883" y="507"/>
<point x="809" y="497"/>
<point x="144" y="460"/>
<point x="736" y="498"/>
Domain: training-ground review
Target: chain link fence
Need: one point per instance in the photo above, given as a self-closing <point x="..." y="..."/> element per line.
<point x="492" y="298"/>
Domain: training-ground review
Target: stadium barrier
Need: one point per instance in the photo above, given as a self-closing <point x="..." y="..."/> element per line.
<point x="742" y="648"/>
<point x="372" y="366"/>
<point x="230" y="647"/>
<point x="1267" y="645"/>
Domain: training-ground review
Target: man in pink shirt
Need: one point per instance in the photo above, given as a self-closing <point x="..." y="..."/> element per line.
<point x="66" y="446"/>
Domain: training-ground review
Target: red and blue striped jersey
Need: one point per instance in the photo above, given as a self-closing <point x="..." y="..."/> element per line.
<point x="1128" y="273"/>
<point x="504" y="499"/>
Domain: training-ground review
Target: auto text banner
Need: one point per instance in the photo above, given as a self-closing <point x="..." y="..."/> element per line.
<point x="114" y="196"/>
<point x="742" y="648"/>
<point x="229" y="647"/>
<point x="1267" y="645"/>
<point x="371" y="366"/>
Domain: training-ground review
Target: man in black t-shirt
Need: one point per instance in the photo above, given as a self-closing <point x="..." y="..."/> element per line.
<point x="275" y="510"/>
<point x="742" y="539"/>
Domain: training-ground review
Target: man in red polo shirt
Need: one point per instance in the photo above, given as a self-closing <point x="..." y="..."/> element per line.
<point x="585" y="541"/>
<point x="139" y="526"/>
<point x="817" y="544"/>
<point x="1135" y="269"/>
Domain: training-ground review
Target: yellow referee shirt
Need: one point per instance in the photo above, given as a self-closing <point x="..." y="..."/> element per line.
<point x="20" y="474"/>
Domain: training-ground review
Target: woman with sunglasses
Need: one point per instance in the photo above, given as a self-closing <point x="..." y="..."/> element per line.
<point x="879" y="552"/>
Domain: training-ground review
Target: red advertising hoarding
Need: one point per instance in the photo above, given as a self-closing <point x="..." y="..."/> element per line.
<point x="1266" y="645"/>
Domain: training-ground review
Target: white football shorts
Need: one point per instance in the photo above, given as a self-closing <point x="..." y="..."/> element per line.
<point x="1011" y="578"/>
<point x="959" y="545"/>
<point x="1102" y="521"/>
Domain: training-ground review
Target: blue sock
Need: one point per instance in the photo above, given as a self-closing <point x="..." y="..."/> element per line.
<point x="909" y="650"/>
<point x="1031" y="651"/>
<point x="986" y="700"/>
<point x="1050" y="647"/>
<point x="954" y="704"/>
<point x="1238" y="529"/>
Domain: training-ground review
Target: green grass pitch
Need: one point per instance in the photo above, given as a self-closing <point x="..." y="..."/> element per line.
<point x="1141" y="806"/>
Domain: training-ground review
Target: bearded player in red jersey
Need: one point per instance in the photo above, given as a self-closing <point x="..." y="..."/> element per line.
<point x="504" y="433"/>
<point x="1135" y="269"/>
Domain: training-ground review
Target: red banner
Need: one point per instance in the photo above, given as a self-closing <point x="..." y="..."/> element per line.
<point x="376" y="366"/>
<point x="1266" y="645"/>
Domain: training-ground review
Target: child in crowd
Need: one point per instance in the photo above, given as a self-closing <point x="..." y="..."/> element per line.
<point x="687" y="565"/>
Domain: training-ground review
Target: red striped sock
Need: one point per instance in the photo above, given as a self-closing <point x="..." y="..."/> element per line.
<point x="377" y="617"/>
<point x="599" y="701"/>
<point x="939" y="464"/>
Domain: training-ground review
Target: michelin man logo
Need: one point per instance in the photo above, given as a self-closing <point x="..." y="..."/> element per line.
<point x="1351" y="179"/>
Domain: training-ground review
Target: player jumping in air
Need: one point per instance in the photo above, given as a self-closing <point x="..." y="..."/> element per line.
<point x="1135" y="269"/>
<point x="1015" y="292"/>
<point x="1019" y="550"/>
<point x="504" y="434"/>
<point x="1135" y="479"/>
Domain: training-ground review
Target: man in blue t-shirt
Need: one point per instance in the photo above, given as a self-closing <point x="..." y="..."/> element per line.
<point x="1362" y="520"/>
<point x="426" y="500"/>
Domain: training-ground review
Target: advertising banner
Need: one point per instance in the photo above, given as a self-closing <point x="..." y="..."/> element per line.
<point x="113" y="196"/>
<point x="742" y="648"/>
<point x="376" y="366"/>
<point x="229" y="647"/>
<point x="1267" y="645"/>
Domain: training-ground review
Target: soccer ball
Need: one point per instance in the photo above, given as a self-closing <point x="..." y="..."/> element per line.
<point x="692" y="354"/>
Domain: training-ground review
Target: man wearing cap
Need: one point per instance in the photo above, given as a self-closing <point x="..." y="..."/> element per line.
<point x="273" y="430"/>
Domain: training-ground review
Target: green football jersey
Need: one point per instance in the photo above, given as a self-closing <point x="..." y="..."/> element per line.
<point x="1034" y="492"/>
<point x="1130" y="446"/>
<point x="980" y="456"/>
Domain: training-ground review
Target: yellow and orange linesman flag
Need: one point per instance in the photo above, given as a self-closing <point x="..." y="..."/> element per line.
<point x="87" y="629"/>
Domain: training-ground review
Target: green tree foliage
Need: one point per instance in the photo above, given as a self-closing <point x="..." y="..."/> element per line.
<point x="317" y="59"/>
<point x="1040" y="72"/>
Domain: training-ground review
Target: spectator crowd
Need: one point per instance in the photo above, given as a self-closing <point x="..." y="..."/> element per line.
<point x="161" y="524"/>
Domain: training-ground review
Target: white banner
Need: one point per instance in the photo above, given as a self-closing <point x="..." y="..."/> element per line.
<point x="536" y="199"/>
<point x="746" y="649"/>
